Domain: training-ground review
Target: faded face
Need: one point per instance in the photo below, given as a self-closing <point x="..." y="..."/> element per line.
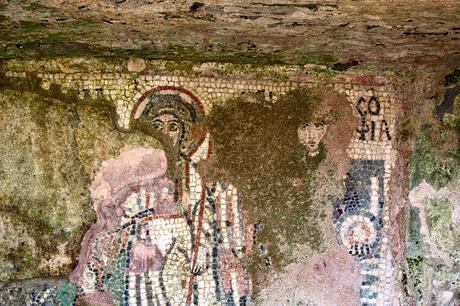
<point x="310" y="135"/>
<point x="168" y="124"/>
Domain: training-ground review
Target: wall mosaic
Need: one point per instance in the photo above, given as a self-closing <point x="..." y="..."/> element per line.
<point x="184" y="240"/>
<point x="166" y="243"/>
<point x="361" y="217"/>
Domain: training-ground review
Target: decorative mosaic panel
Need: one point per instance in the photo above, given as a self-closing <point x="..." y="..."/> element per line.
<point x="161" y="242"/>
<point x="361" y="217"/>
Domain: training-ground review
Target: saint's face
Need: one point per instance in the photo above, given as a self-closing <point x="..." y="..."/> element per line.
<point x="169" y="125"/>
<point x="170" y="114"/>
<point x="310" y="135"/>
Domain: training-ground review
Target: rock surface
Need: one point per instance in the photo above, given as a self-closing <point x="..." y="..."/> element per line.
<point x="50" y="151"/>
<point x="340" y="34"/>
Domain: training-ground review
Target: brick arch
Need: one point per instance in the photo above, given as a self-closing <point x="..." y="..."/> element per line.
<point x="150" y="92"/>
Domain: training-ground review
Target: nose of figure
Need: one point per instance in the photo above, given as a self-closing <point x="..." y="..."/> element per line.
<point x="311" y="136"/>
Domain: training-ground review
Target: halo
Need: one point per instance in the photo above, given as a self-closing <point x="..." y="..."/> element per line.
<point x="186" y="95"/>
<point x="181" y="95"/>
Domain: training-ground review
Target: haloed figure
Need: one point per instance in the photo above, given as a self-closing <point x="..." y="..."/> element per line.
<point x="218" y="230"/>
<point x="158" y="242"/>
<point x="170" y="114"/>
<point x="169" y="125"/>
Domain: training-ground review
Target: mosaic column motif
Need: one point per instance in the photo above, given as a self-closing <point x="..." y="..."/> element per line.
<point x="361" y="216"/>
<point x="359" y="219"/>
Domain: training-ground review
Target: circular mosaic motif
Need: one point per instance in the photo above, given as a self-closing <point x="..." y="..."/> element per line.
<point x="358" y="233"/>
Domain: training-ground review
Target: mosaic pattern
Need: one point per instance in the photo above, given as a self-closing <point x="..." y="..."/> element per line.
<point x="43" y="295"/>
<point x="359" y="220"/>
<point x="361" y="215"/>
<point x="41" y="292"/>
<point x="310" y="135"/>
<point x="212" y="212"/>
<point x="179" y="245"/>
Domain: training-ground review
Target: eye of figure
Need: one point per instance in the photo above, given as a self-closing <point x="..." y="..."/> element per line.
<point x="158" y="124"/>
<point x="173" y="126"/>
<point x="319" y="125"/>
<point x="305" y="126"/>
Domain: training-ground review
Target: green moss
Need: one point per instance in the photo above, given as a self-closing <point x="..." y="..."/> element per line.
<point x="323" y="75"/>
<point x="415" y="240"/>
<point x="30" y="26"/>
<point x="392" y="71"/>
<point x="439" y="213"/>
<point x="430" y="161"/>
<point x="44" y="187"/>
<point x="448" y="277"/>
<point x="425" y="280"/>
<point x="35" y="6"/>
<point x="415" y="275"/>
<point x="406" y="129"/>
<point x="257" y="150"/>
<point x="191" y="53"/>
<point x="452" y="120"/>
<point x="51" y="145"/>
<point x="4" y="18"/>
<point x="58" y="37"/>
<point x="32" y="84"/>
<point x="183" y="66"/>
<point x="46" y="45"/>
<point x="440" y="223"/>
<point x="25" y="262"/>
<point x="317" y="59"/>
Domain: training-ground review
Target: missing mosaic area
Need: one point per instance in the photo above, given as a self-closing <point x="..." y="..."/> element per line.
<point x="259" y="146"/>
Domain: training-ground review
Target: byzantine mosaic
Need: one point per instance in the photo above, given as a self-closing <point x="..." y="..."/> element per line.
<point x="171" y="102"/>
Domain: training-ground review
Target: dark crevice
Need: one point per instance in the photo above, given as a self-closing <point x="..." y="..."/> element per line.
<point x="452" y="78"/>
<point x="311" y="6"/>
<point x="371" y="26"/>
<point x="345" y="66"/>
<point x="196" y="6"/>
<point x="414" y="32"/>
<point x="447" y="105"/>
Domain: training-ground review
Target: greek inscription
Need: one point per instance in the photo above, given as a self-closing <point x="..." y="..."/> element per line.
<point x="373" y="125"/>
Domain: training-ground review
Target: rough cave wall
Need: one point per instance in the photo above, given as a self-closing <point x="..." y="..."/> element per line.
<point x="432" y="260"/>
<point x="361" y="225"/>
